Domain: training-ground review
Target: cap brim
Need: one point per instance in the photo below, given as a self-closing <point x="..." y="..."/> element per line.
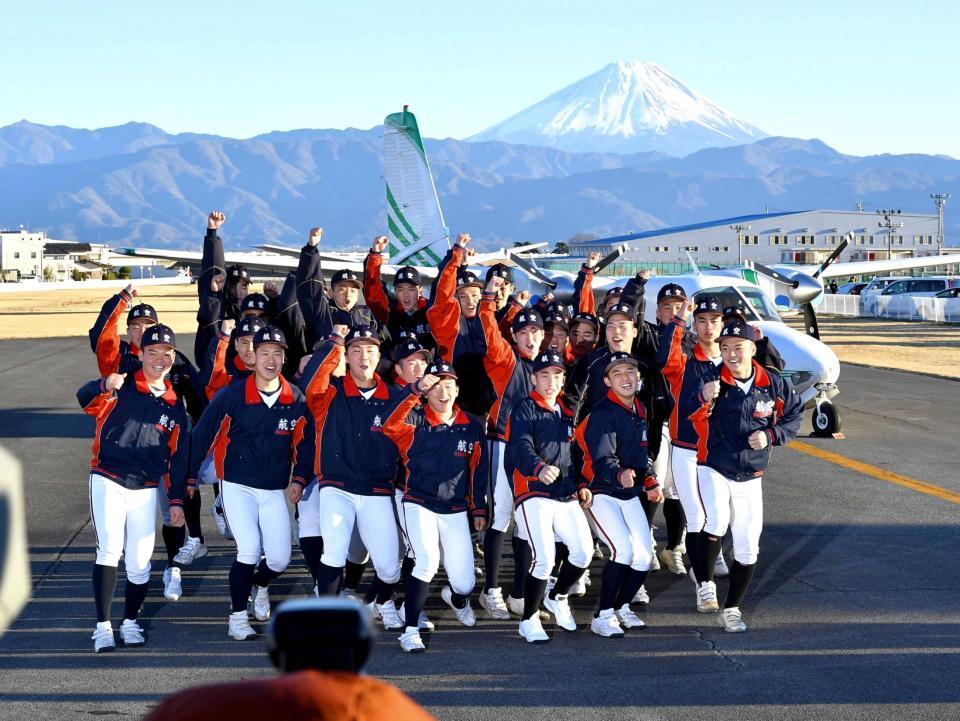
<point x="374" y="340"/>
<point x="632" y="362"/>
<point x="270" y="342"/>
<point x="349" y="281"/>
<point x="472" y="284"/>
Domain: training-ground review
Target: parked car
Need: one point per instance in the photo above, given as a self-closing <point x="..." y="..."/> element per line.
<point x="897" y="299"/>
<point x="879" y="283"/>
<point x="851" y="288"/>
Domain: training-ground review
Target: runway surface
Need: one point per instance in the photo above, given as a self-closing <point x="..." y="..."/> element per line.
<point x="854" y="611"/>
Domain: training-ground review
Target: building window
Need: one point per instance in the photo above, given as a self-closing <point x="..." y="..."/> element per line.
<point x="719" y="248"/>
<point x="33" y="254"/>
<point x="692" y="248"/>
<point x="659" y="248"/>
<point x="16" y="254"/>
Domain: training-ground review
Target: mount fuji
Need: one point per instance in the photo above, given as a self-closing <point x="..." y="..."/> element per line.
<point x="626" y="107"/>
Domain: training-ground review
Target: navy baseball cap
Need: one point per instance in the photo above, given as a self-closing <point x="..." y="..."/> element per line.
<point x="345" y="275"/>
<point x="708" y="304"/>
<point x="526" y="316"/>
<point x="440" y="368"/>
<point x="236" y="273"/>
<point x="158" y="334"/>
<point x="269" y="334"/>
<point x="406" y="274"/>
<point x="622" y="309"/>
<point x="620" y="358"/>
<point x="500" y="271"/>
<point x="671" y="291"/>
<point x="613" y="292"/>
<point x="555" y="315"/>
<point x="549" y="359"/>
<point x="142" y="311"/>
<point x="249" y="326"/>
<point x="738" y="329"/>
<point x="254" y="301"/>
<point x="408" y="347"/>
<point x="467" y="279"/>
<point x="361" y="333"/>
<point x="585" y="318"/>
<point x="733" y="312"/>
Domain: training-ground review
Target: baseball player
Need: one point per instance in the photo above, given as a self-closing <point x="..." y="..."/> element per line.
<point x="443" y="499"/>
<point x="140" y="445"/>
<point x="253" y="431"/>
<point x="613" y="438"/>
<point x="220" y="371"/>
<point x="185" y="543"/>
<point x="742" y="415"/>
<point x="354" y="466"/>
<point x="548" y="502"/>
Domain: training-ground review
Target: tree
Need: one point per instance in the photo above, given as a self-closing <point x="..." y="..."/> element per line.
<point x="561" y="247"/>
<point x="76" y="274"/>
<point x="48" y="274"/>
<point x="124" y="272"/>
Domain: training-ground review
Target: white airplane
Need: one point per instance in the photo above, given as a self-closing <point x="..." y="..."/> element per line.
<point x="418" y="236"/>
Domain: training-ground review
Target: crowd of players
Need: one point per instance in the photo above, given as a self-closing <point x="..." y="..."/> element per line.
<point x="398" y="430"/>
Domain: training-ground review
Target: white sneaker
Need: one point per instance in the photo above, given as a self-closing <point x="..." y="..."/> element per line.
<point x="720" y="570"/>
<point x="532" y="630"/>
<point x="411" y="642"/>
<point x="423" y="621"/>
<point x="464" y="615"/>
<point x="628" y="619"/>
<point x="707" y="597"/>
<point x="673" y="560"/>
<point x="607" y="625"/>
<point x="131" y="634"/>
<point x="103" y="640"/>
<point x="580" y="587"/>
<point x="219" y="518"/>
<point x="642" y="597"/>
<point x="387" y="612"/>
<point x="239" y="627"/>
<point x="515" y="605"/>
<point x="172" y="587"/>
<point x="654" y="563"/>
<point x="191" y="551"/>
<point x="374" y="610"/>
<point x="261" y="603"/>
<point x="494" y="604"/>
<point x="732" y="620"/>
<point x="682" y="546"/>
<point x="560" y="608"/>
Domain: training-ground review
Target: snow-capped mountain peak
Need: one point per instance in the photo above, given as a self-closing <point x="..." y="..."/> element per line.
<point x="625" y="107"/>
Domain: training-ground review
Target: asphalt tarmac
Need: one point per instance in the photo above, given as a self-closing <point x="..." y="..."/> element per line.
<point x="853" y="613"/>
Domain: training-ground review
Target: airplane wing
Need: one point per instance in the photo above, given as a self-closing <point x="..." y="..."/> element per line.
<point x="269" y="263"/>
<point x="862" y="267"/>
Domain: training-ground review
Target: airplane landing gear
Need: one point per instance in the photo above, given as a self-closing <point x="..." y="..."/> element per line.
<point x="826" y="419"/>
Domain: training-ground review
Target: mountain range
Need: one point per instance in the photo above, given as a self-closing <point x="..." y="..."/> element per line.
<point x="137" y="185"/>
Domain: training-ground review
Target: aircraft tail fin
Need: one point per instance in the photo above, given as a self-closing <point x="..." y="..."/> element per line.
<point x="693" y="264"/>
<point x="415" y="228"/>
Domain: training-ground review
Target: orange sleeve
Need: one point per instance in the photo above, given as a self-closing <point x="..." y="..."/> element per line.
<point x="499" y="353"/>
<point x="108" y="341"/>
<point x="376" y="300"/>
<point x="218" y="373"/>
<point x="443" y="311"/>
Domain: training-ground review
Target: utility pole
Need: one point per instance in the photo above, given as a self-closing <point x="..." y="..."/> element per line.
<point x="890" y="225"/>
<point x="940" y="199"/>
<point x="739" y="228"/>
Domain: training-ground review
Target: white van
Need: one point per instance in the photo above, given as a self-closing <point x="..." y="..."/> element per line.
<point x="896" y="299"/>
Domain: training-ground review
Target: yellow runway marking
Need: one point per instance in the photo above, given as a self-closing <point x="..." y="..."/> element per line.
<point x="895" y="478"/>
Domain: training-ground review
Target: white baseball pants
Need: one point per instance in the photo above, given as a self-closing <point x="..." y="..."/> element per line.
<point x="683" y="467"/>
<point x="255" y="514"/>
<point x="309" y="525"/>
<point x="545" y="520"/>
<point x="622" y="526"/>
<point x="737" y="505"/>
<point x="435" y="535"/>
<point x="663" y="468"/>
<point x="373" y="516"/>
<point x="125" y="523"/>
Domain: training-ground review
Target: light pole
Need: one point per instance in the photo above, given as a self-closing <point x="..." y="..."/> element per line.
<point x="890" y="225"/>
<point x="940" y="199"/>
<point x="739" y="228"/>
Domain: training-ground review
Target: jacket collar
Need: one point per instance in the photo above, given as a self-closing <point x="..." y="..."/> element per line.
<point x="699" y="354"/>
<point x="539" y="400"/>
<point x="760" y="377"/>
<point x="459" y="417"/>
<point x="381" y="393"/>
<point x="238" y="364"/>
<point x="251" y="394"/>
<point x="637" y="405"/>
<point x="143" y="387"/>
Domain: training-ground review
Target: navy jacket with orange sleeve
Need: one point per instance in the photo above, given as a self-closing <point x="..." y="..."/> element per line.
<point x="685" y="376"/>
<point x="117" y="356"/>
<point x="141" y="440"/>
<point x="724" y="426"/>
<point x="613" y="439"/>
<point x="583" y="300"/>
<point x="319" y="313"/>
<point x="219" y="371"/>
<point x="387" y="310"/>
<point x="445" y="464"/>
<point x="253" y="444"/>
<point x="352" y="453"/>
<point x="509" y="372"/>
<point x="539" y="436"/>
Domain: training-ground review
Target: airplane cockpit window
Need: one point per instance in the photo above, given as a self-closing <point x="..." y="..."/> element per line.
<point x="756" y="304"/>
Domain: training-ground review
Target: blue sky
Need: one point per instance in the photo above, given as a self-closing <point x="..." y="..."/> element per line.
<point x="875" y="78"/>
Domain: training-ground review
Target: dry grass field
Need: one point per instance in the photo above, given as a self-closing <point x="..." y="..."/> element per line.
<point x="933" y="348"/>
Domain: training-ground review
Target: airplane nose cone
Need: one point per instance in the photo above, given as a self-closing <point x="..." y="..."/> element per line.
<point x="808" y="288"/>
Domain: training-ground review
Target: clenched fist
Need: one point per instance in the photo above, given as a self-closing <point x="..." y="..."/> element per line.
<point x="710" y="390"/>
<point x="315" y="235"/>
<point x="215" y="219"/>
<point x="548" y="474"/>
<point x="379" y="244"/>
<point x="114" y="381"/>
<point x="758" y="440"/>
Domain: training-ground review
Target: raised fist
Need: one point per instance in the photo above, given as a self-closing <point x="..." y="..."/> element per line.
<point x="217" y="281"/>
<point x="593" y="259"/>
<point x="215" y="219"/>
<point x="131" y="291"/>
<point x="315" y="235"/>
<point x="685" y="310"/>
<point x="427" y="382"/>
<point x="523" y="296"/>
<point x="227" y="325"/>
<point x="114" y="381"/>
<point x="303" y="363"/>
<point x="495" y="284"/>
<point x="341" y="330"/>
<point x="379" y="244"/>
<point x="463" y="240"/>
<point x="270" y="289"/>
